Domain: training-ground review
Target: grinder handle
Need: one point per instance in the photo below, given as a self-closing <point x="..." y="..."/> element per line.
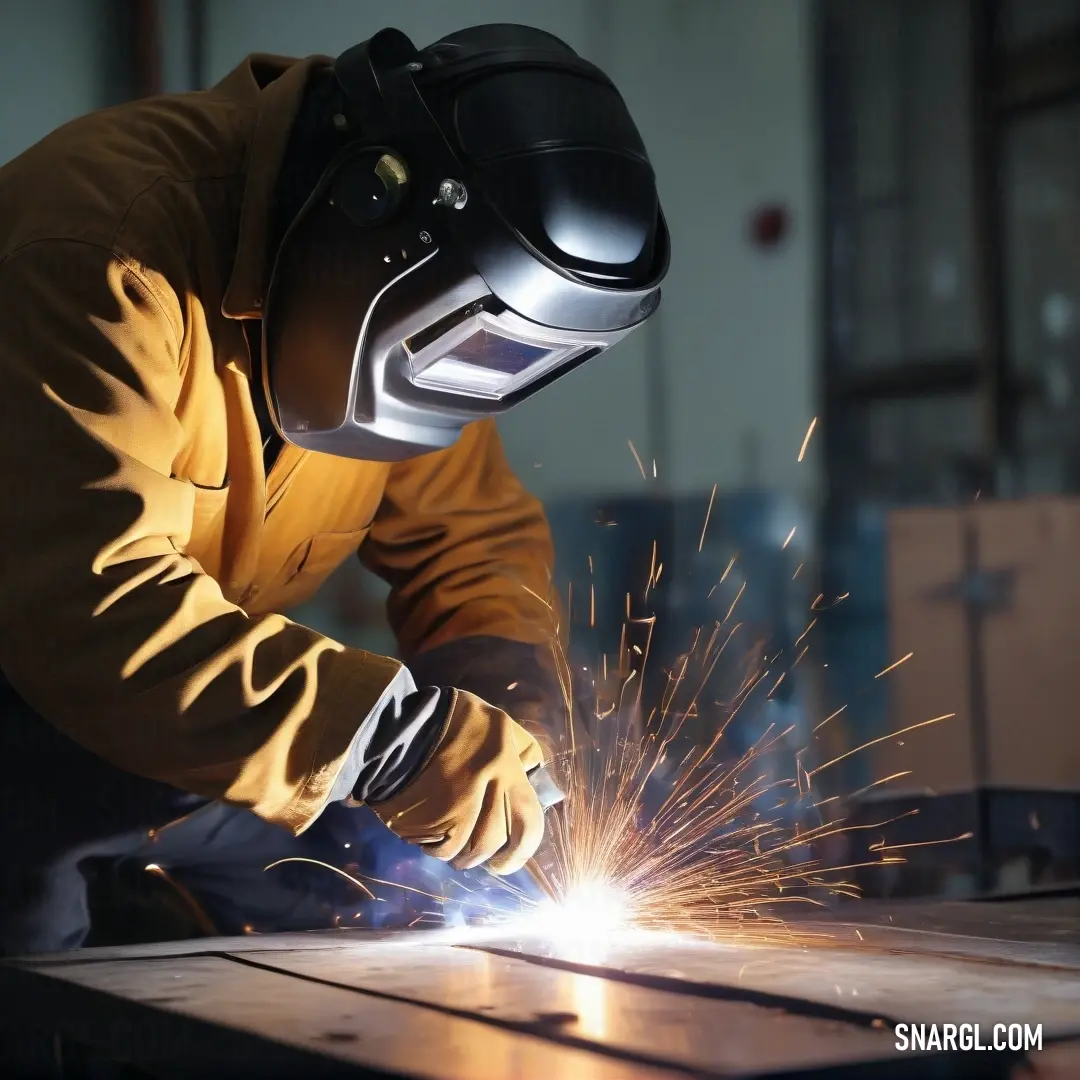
<point x="547" y="791"/>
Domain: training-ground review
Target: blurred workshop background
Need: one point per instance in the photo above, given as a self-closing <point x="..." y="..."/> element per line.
<point x="875" y="218"/>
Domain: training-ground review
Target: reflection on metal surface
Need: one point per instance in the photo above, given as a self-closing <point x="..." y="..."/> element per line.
<point x="486" y="1003"/>
<point x="857" y="981"/>
<point x="590" y="1004"/>
<point x="589" y="1007"/>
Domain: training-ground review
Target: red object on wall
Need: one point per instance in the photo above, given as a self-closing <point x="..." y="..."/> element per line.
<point x="770" y="225"/>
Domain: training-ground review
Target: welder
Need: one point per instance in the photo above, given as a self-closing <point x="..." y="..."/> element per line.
<point x="245" y="334"/>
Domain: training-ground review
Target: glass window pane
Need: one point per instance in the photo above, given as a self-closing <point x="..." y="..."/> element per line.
<point x="1048" y="444"/>
<point x="1042" y="282"/>
<point x="1042" y="235"/>
<point x="916" y="450"/>
<point x="910" y="99"/>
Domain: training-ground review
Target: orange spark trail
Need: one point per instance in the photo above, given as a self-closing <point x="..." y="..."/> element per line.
<point x="806" y="439"/>
<point x="708" y="513"/>
<point x="893" y="666"/>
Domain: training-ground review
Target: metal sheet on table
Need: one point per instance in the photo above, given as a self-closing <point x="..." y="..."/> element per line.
<point x="896" y="939"/>
<point x="312" y="940"/>
<point x="918" y="988"/>
<point x="369" y="1032"/>
<point x="433" y="1004"/>
<point x="1058" y="1062"/>
<point x="704" y="1034"/>
<point x="1049" y="920"/>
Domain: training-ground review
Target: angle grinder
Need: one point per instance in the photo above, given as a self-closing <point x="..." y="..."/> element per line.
<point x="550" y="795"/>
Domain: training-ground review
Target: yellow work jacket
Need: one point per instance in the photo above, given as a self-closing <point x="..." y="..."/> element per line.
<point x="145" y="556"/>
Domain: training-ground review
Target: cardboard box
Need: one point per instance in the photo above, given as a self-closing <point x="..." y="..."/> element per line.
<point x="987" y="597"/>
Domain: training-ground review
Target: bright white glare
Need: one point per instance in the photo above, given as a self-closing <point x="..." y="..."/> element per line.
<point x="589" y="910"/>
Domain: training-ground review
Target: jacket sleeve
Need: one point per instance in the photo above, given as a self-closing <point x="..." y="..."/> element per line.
<point x="106" y="628"/>
<point x="465" y="548"/>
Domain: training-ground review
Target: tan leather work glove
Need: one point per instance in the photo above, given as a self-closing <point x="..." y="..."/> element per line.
<point x="472" y="802"/>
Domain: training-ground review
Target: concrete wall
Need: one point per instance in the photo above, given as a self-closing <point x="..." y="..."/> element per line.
<point x="722" y="92"/>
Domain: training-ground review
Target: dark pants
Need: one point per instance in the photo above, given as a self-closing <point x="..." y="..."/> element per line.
<point x="78" y="834"/>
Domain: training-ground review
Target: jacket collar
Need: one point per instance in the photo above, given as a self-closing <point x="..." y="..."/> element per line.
<point x="274" y="85"/>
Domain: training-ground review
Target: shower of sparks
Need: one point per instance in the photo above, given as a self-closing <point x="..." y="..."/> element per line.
<point x="715" y="858"/>
<point x="806" y="439"/>
<point x="664" y="828"/>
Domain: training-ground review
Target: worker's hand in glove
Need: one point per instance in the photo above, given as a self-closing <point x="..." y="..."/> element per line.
<point x="472" y="802"/>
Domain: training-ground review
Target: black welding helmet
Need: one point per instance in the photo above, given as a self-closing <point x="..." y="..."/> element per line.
<point x="489" y="223"/>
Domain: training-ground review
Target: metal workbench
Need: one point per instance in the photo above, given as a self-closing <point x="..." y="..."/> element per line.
<point x="424" y="1004"/>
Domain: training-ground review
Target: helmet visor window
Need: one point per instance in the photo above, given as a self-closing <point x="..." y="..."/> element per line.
<point x="485" y="363"/>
